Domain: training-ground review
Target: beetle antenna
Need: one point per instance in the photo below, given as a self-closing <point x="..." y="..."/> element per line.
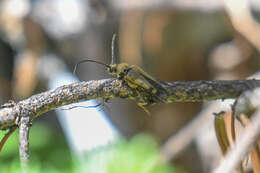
<point x="113" y="49"/>
<point x="89" y="60"/>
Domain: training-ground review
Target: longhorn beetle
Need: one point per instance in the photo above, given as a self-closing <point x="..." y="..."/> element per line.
<point x="134" y="77"/>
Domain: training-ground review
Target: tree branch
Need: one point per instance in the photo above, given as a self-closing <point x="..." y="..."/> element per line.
<point x="198" y="91"/>
<point x="193" y="91"/>
<point x="38" y="104"/>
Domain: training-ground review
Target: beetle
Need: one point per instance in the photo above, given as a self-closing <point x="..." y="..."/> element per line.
<point x="135" y="77"/>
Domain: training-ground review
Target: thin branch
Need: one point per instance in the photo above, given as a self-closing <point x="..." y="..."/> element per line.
<point x="24" y="142"/>
<point x="197" y="91"/>
<point x="193" y="91"/>
<point x="38" y="104"/>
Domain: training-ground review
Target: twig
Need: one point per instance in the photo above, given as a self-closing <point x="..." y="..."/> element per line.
<point x="38" y="104"/>
<point x="197" y="91"/>
<point x="193" y="91"/>
<point x="24" y="142"/>
<point x="241" y="147"/>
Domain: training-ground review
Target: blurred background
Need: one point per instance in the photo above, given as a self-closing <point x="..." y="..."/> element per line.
<point x="42" y="40"/>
